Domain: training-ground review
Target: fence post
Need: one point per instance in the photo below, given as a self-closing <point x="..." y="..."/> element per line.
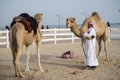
<point x="7" y="38"/>
<point x="55" y="36"/>
<point x="72" y="38"/>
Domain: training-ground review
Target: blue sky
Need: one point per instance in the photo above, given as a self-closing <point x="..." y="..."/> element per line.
<point x="107" y="9"/>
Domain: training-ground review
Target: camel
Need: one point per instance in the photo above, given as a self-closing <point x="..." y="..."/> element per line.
<point x="18" y="37"/>
<point x="100" y="27"/>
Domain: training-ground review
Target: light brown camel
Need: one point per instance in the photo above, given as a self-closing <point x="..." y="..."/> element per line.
<point x="18" y="37"/>
<point x="100" y="27"/>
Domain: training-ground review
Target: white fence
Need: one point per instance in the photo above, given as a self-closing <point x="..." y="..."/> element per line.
<point x="49" y="35"/>
<point x="4" y="38"/>
<point x="57" y="35"/>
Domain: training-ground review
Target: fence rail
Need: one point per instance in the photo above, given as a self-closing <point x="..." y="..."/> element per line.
<point x="4" y="38"/>
<point x="54" y="35"/>
<point x="57" y="35"/>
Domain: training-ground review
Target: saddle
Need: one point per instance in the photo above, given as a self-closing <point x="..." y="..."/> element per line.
<point x="29" y="22"/>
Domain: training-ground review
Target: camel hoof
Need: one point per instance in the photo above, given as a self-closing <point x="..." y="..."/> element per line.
<point x="22" y="75"/>
<point x="16" y="76"/>
<point x="106" y="60"/>
<point x="42" y="71"/>
<point x="27" y="70"/>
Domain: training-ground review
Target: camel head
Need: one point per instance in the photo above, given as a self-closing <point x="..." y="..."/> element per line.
<point x="70" y="22"/>
<point x="38" y="17"/>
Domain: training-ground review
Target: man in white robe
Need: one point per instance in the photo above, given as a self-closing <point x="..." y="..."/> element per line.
<point x="90" y="60"/>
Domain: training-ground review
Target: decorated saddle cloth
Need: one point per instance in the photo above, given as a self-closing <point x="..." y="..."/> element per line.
<point x="67" y="54"/>
<point x="90" y="37"/>
<point x="29" y="22"/>
<point x="90" y="34"/>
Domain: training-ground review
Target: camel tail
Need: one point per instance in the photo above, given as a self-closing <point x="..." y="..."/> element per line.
<point x="14" y="41"/>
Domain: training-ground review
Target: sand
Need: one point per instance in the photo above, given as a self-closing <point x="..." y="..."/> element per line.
<point x="58" y="68"/>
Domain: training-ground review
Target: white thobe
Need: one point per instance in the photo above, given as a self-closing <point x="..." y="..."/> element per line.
<point x="90" y="52"/>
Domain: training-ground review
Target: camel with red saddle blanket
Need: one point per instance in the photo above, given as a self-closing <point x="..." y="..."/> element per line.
<point x="25" y="30"/>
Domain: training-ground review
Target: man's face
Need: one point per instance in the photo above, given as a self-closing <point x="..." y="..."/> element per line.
<point x="89" y="25"/>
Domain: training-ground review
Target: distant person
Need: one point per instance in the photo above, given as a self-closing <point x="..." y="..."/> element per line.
<point x="108" y="24"/>
<point x="90" y="56"/>
<point x="7" y="27"/>
<point x="109" y="30"/>
<point x="42" y="27"/>
<point x="47" y="27"/>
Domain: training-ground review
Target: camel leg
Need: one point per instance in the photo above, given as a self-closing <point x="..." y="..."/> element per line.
<point x="13" y="50"/>
<point x="99" y="49"/>
<point x="106" y="49"/>
<point x="83" y="46"/>
<point x="17" y="58"/>
<point x="15" y="68"/>
<point x="38" y="55"/>
<point x="28" y="57"/>
<point x="14" y="56"/>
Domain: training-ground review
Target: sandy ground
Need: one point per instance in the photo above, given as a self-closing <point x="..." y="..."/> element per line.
<point x="62" y="69"/>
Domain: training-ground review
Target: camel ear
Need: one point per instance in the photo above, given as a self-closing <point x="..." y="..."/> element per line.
<point x="41" y="13"/>
<point x="67" y="19"/>
<point x="73" y="19"/>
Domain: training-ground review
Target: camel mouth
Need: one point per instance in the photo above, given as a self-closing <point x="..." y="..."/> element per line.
<point x="68" y="26"/>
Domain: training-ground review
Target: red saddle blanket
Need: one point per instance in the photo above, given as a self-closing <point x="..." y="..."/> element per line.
<point x="24" y="22"/>
<point x="28" y="21"/>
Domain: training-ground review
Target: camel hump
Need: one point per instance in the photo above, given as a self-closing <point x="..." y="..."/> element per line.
<point x="25" y="15"/>
<point x="95" y="14"/>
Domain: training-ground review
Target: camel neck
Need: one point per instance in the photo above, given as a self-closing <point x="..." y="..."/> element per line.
<point x="39" y="26"/>
<point x="76" y="30"/>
